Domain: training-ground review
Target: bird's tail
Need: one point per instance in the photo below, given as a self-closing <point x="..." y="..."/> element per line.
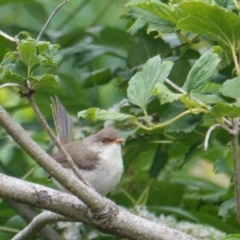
<point x="63" y="123"/>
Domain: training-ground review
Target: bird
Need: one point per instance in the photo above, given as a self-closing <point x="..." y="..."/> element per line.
<point x="97" y="156"/>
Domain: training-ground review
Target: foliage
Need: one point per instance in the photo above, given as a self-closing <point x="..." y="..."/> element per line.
<point x="178" y="77"/>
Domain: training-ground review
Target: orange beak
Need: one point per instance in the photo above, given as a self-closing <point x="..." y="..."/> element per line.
<point x="118" y="140"/>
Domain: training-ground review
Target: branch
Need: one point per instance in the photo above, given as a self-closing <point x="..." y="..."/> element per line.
<point x="64" y="153"/>
<point x="50" y="18"/>
<point x="14" y="40"/>
<point x="37" y="224"/>
<point x="236" y="165"/>
<point x="28" y="214"/>
<point x="122" y="224"/>
<point x="88" y="195"/>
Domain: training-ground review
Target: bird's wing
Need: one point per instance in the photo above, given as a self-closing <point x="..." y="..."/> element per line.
<point x="77" y="150"/>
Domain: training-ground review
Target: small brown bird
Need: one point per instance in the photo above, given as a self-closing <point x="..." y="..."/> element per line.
<point x="98" y="156"/>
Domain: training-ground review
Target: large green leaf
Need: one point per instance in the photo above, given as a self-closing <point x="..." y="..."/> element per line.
<point x="231" y="88"/>
<point x="142" y="83"/>
<point x="202" y="70"/>
<point x="211" y="20"/>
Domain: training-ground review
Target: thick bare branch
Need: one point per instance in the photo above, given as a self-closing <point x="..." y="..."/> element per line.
<point x="122" y="223"/>
<point x="88" y="195"/>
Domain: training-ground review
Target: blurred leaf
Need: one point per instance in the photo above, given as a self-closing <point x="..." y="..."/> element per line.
<point x="96" y="114"/>
<point x="221" y="166"/>
<point x="144" y="47"/>
<point x="142" y="83"/>
<point x="176" y="211"/>
<point x="192" y="151"/>
<point x="100" y="76"/>
<point x="231" y="88"/>
<point x="232" y="237"/>
<point x="202" y="70"/>
<point x="159" y="162"/>
<point x="218" y="23"/>
<point x="226" y="206"/>
<point x="226" y="109"/>
<point x="159" y="9"/>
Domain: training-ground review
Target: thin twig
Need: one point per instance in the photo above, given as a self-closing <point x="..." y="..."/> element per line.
<point x="11" y="85"/>
<point x="50" y="18"/>
<point x="14" y="40"/>
<point x="174" y="86"/>
<point x="206" y="141"/>
<point x="28" y="214"/>
<point x="236" y="166"/>
<point x="38" y="223"/>
<point x="56" y="141"/>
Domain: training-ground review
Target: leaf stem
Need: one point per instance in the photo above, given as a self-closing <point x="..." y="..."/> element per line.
<point x="50" y="18"/>
<point x="161" y="125"/>
<point x="235" y="60"/>
<point x="236" y="165"/>
<point x="147" y="118"/>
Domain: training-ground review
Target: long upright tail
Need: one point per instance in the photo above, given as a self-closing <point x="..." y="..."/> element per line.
<point x="62" y="121"/>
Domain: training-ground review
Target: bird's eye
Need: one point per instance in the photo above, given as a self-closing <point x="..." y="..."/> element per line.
<point x="104" y="140"/>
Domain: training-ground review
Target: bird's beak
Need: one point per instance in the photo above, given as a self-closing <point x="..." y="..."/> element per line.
<point x="118" y="140"/>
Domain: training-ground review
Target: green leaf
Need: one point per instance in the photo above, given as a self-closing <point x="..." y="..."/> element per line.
<point x="226" y="110"/>
<point x="28" y="53"/>
<point x="226" y="206"/>
<point x="211" y="20"/>
<point x="202" y="70"/>
<point x="231" y="88"/>
<point x="49" y="54"/>
<point x="159" y="9"/>
<point x="207" y="98"/>
<point x="96" y="114"/>
<point x="165" y="94"/>
<point x="189" y="103"/>
<point x="47" y="80"/>
<point x="232" y="237"/>
<point x="142" y="83"/>
<point x="159" y="162"/>
<point x="221" y="166"/>
<point x="100" y="76"/>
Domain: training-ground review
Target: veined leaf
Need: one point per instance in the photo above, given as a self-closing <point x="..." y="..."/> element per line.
<point x="28" y="52"/>
<point x="231" y="88"/>
<point x="229" y="204"/>
<point x="96" y="114"/>
<point x="211" y="20"/>
<point x="159" y="9"/>
<point x="142" y="83"/>
<point x="202" y="70"/>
